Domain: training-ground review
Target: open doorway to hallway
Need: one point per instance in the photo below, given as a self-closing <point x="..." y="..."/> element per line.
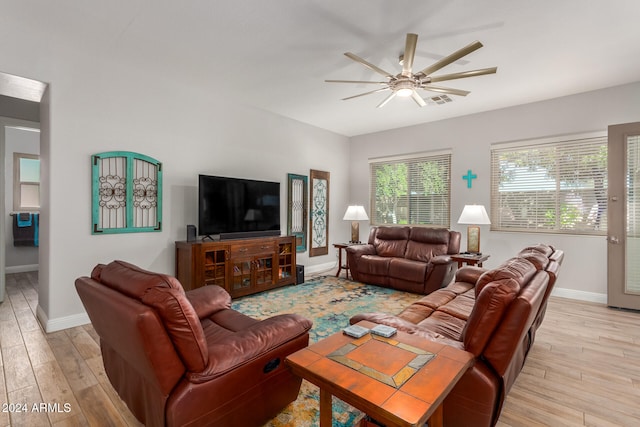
<point x="19" y="133"/>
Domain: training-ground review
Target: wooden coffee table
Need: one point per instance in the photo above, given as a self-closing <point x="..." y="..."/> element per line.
<point x="398" y="381"/>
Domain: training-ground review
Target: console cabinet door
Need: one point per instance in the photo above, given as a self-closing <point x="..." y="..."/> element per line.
<point x="214" y="259"/>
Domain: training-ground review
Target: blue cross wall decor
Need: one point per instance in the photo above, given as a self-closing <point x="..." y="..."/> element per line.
<point x="469" y="176"/>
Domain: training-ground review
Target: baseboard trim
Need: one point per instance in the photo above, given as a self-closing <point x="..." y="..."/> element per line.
<point x="21" y="268"/>
<point x="58" y="324"/>
<point x="579" y="295"/>
<point x="319" y="268"/>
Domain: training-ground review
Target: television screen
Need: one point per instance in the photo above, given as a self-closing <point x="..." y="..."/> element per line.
<point x="234" y="207"/>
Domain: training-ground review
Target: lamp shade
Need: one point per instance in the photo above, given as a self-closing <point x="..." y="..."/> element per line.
<point x="355" y="213"/>
<point x="474" y="214"/>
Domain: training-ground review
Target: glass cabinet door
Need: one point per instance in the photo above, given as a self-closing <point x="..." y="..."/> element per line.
<point x="263" y="270"/>
<point x="214" y="267"/>
<point x="241" y="275"/>
<point x="286" y="268"/>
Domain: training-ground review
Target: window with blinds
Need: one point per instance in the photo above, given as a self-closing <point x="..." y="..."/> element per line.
<point x="411" y="190"/>
<point x="553" y="186"/>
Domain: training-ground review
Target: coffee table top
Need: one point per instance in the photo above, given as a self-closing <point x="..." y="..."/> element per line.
<point x="399" y="381"/>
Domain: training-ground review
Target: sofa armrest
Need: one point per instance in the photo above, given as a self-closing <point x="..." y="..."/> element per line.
<point x="440" y="259"/>
<point x="206" y="300"/>
<point x="247" y="344"/>
<point x="359" y="250"/>
<point x="469" y="274"/>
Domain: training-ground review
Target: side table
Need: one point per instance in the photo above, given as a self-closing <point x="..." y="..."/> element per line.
<point x="470" y="259"/>
<point x="341" y="247"/>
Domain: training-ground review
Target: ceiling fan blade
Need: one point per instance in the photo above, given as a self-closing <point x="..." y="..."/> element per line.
<point x="451" y="58"/>
<point x="409" y="54"/>
<point x="462" y="75"/>
<point x="368" y="64"/>
<point x="366" y="93"/>
<point x="356" y="81"/>
<point x="418" y="99"/>
<point x="447" y="90"/>
<point x="387" y="99"/>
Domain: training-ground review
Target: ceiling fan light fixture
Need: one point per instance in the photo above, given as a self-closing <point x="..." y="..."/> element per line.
<point x="408" y="83"/>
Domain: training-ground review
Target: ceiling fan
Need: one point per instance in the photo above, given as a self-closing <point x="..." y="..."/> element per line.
<point x="406" y="83"/>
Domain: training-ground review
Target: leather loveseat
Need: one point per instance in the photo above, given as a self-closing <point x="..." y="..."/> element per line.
<point x="187" y="359"/>
<point x="492" y="314"/>
<point x="411" y="259"/>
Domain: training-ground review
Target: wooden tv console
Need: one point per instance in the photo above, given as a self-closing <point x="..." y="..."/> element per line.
<point x="241" y="266"/>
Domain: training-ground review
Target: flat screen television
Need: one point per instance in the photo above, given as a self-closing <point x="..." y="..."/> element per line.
<point x="237" y="208"/>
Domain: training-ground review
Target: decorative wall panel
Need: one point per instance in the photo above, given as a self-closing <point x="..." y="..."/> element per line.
<point x="297" y="210"/>
<point x="127" y="193"/>
<point x="319" y="213"/>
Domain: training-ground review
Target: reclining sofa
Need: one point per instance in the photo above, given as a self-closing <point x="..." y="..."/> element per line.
<point x="187" y="359"/>
<point x="411" y="259"/>
<point x="493" y="314"/>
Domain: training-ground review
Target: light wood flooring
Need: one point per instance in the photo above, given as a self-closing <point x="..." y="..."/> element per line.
<point x="584" y="369"/>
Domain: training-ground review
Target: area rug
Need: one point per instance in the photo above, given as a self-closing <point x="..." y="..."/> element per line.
<point x="329" y="302"/>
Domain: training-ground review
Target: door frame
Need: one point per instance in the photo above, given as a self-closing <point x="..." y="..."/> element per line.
<point x="4" y="123"/>
<point x="617" y="217"/>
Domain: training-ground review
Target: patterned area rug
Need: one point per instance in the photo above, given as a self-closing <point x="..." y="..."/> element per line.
<point x="329" y="302"/>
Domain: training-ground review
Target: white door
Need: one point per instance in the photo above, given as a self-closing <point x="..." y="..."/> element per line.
<point x="623" y="238"/>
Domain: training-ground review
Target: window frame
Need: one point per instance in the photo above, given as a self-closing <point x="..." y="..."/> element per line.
<point x="586" y="145"/>
<point x="17" y="183"/>
<point x="442" y="157"/>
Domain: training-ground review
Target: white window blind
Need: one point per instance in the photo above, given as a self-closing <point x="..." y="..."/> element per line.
<point x="632" y="277"/>
<point x="411" y="190"/>
<point x="558" y="186"/>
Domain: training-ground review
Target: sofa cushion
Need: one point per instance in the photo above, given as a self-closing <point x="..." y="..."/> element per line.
<point x="519" y="269"/>
<point x="374" y="265"/>
<point x="416" y="313"/>
<point x="407" y="269"/>
<point x="182" y="324"/>
<point x="391" y="241"/>
<point x="444" y="324"/>
<point x="491" y="304"/>
<point x="460" y="307"/>
<point x="131" y="280"/>
<point x="539" y="260"/>
<point x="425" y="243"/>
<point x="545" y="250"/>
<point x="207" y="300"/>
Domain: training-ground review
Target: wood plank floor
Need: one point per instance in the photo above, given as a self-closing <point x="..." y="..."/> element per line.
<point x="584" y="369"/>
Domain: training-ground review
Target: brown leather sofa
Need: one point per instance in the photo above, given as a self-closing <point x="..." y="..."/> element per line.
<point x="187" y="359"/>
<point x="412" y="259"/>
<point x="493" y="314"/>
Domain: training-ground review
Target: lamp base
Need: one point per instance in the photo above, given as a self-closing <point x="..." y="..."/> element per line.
<point x="355" y="232"/>
<point x="473" y="239"/>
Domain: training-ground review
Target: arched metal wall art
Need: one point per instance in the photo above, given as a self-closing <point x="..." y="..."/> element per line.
<point x="127" y="193"/>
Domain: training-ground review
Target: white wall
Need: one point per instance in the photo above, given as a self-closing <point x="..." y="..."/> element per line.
<point x="17" y="140"/>
<point x="95" y="104"/>
<point x="584" y="272"/>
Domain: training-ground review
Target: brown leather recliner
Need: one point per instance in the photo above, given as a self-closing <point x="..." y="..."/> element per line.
<point x="412" y="259"/>
<point x="188" y="359"/>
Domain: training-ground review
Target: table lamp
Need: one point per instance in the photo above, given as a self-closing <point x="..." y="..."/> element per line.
<point x="475" y="215"/>
<point x="354" y="214"/>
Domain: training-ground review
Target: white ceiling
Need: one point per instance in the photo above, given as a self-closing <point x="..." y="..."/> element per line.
<point x="275" y="55"/>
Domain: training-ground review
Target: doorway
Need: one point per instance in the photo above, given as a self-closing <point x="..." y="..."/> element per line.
<point x="18" y="139"/>
<point x="623" y="247"/>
